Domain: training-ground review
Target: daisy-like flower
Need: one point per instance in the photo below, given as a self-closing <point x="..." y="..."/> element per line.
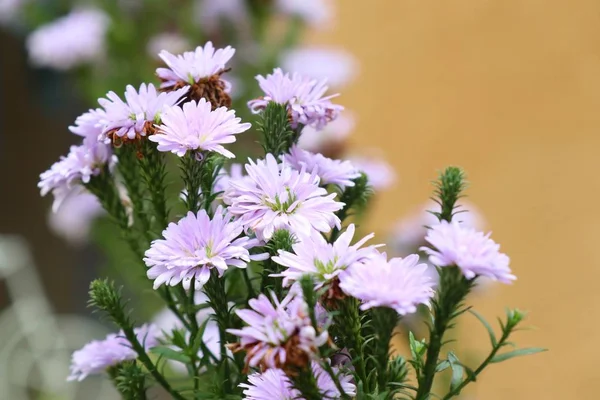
<point x="400" y="283"/>
<point x="274" y="196"/>
<point x="273" y="384"/>
<point x="473" y="252"/>
<point x="304" y="97"/>
<point x="195" y="245"/>
<point x="75" y="39"/>
<point x="279" y="334"/>
<point x="313" y="256"/>
<point x="380" y="174"/>
<point x="75" y="168"/>
<point x="73" y="219"/>
<point x="336" y="65"/>
<point x="330" y="139"/>
<point x="335" y="172"/>
<point x="96" y="356"/>
<point x="89" y="124"/>
<point x="135" y="117"/>
<point x="200" y="71"/>
<point x="195" y="126"/>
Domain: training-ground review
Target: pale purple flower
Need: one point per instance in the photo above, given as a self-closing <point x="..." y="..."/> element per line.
<point x="74" y="169"/>
<point x="317" y="13"/>
<point x="75" y="39"/>
<point x="89" y="124"/>
<point x="304" y="97"/>
<point x="334" y="64"/>
<point x="400" y="283"/>
<point x="326" y="385"/>
<point x="274" y="196"/>
<point x="10" y="10"/>
<point x="211" y="13"/>
<point x="330" y="138"/>
<point x="136" y="116"/>
<point x="381" y="175"/>
<point x="195" y="245"/>
<point x="323" y="261"/>
<point x="74" y="217"/>
<point x="454" y="244"/>
<point x="169" y="41"/>
<point x="274" y="328"/>
<point x="192" y="66"/>
<point x="96" y="356"/>
<point x="196" y="127"/>
<point x="334" y="172"/>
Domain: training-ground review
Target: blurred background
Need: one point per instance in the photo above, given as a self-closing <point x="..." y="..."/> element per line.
<point x="508" y="90"/>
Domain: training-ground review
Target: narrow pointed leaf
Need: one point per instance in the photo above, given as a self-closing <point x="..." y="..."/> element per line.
<point x="517" y="353"/>
<point x="487" y="326"/>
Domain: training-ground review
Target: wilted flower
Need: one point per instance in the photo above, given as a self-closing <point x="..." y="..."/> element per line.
<point x="196" y="127"/>
<point x="279" y="334"/>
<point x="75" y="39"/>
<point x="330" y="139"/>
<point x="168" y="41"/>
<point x="314" y="12"/>
<point x="200" y="71"/>
<point x="136" y="116"/>
<point x="195" y="245"/>
<point x="73" y="218"/>
<point x="336" y="65"/>
<point x="380" y="174"/>
<point x="335" y="172"/>
<point x="471" y="251"/>
<point x="400" y="283"/>
<point x="96" y="356"/>
<point x="274" y="196"/>
<point x="323" y="261"/>
<point x="304" y="97"/>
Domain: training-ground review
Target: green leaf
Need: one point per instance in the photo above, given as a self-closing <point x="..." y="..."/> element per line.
<point x="457" y="371"/>
<point x="442" y="366"/>
<point x="170" y="354"/>
<point x="487" y="326"/>
<point x="517" y="353"/>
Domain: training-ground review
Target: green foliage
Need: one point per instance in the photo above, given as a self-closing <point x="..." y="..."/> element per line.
<point x="448" y="189"/>
<point x="277" y="134"/>
<point x="130" y="380"/>
<point x="154" y="174"/>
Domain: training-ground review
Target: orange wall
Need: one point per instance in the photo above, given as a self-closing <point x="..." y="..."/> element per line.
<point x="509" y="90"/>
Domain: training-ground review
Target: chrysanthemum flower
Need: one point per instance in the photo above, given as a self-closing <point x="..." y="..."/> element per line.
<point x="89" y="124"/>
<point x="195" y="245"/>
<point x="471" y="251"/>
<point x="75" y="39"/>
<point x="279" y="334"/>
<point x="77" y="167"/>
<point x="400" y="283"/>
<point x="96" y="356"/>
<point x="323" y="261"/>
<point x="136" y="116"/>
<point x="304" y="97"/>
<point x="196" y="127"/>
<point x="335" y="172"/>
<point x="200" y="71"/>
<point x="273" y="384"/>
<point x="274" y="196"/>
<point x="336" y="65"/>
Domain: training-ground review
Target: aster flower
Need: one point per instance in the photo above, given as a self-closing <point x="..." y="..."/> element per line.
<point x="98" y="355"/>
<point x="303" y="96"/>
<point x="200" y="71"/>
<point x="279" y="334"/>
<point x="400" y="283"/>
<point x="195" y="245"/>
<point x="75" y="168"/>
<point x="317" y="13"/>
<point x="89" y="124"/>
<point x="330" y="139"/>
<point x="73" y="219"/>
<point x="211" y="13"/>
<point x="380" y="174"/>
<point x="135" y="117"/>
<point x="336" y="65"/>
<point x="471" y="251"/>
<point x="335" y="172"/>
<point x="313" y="256"/>
<point x="196" y="127"/>
<point x="274" y="196"/>
<point x="75" y="39"/>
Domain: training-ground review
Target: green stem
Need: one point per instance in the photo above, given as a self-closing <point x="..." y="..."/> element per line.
<point x="384" y="322"/>
<point x="191" y="170"/>
<point x="348" y="321"/>
<point x="153" y="167"/>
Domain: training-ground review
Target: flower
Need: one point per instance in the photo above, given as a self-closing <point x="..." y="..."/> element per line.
<point x="336" y="65"/>
<point x="194" y="246"/>
<point x="330" y="139"/>
<point x="335" y="172"/>
<point x="471" y="251"/>
<point x="135" y="117"/>
<point x="212" y="13"/>
<point x="10" y="10"/>
<point x="98" y="355"/>
<point x="168" y="41"/>
<point x="303" y="96"/>
<point x="75" y="39"/>
<point x="315" y="12"/>
<point x="274" y="196"/>
<point x="380" y="174"/>
<point x="77" y="167"/>
<point x="89" y="124"/>
<point x="323" y="261"/>
<point x="197" y="127"/>
<point x="273" y="384"/>
<point x="200" y="71"/>
<point x="400" y="283"/>
<point x="73" y="218"/>
<point x="279" y="334"/>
